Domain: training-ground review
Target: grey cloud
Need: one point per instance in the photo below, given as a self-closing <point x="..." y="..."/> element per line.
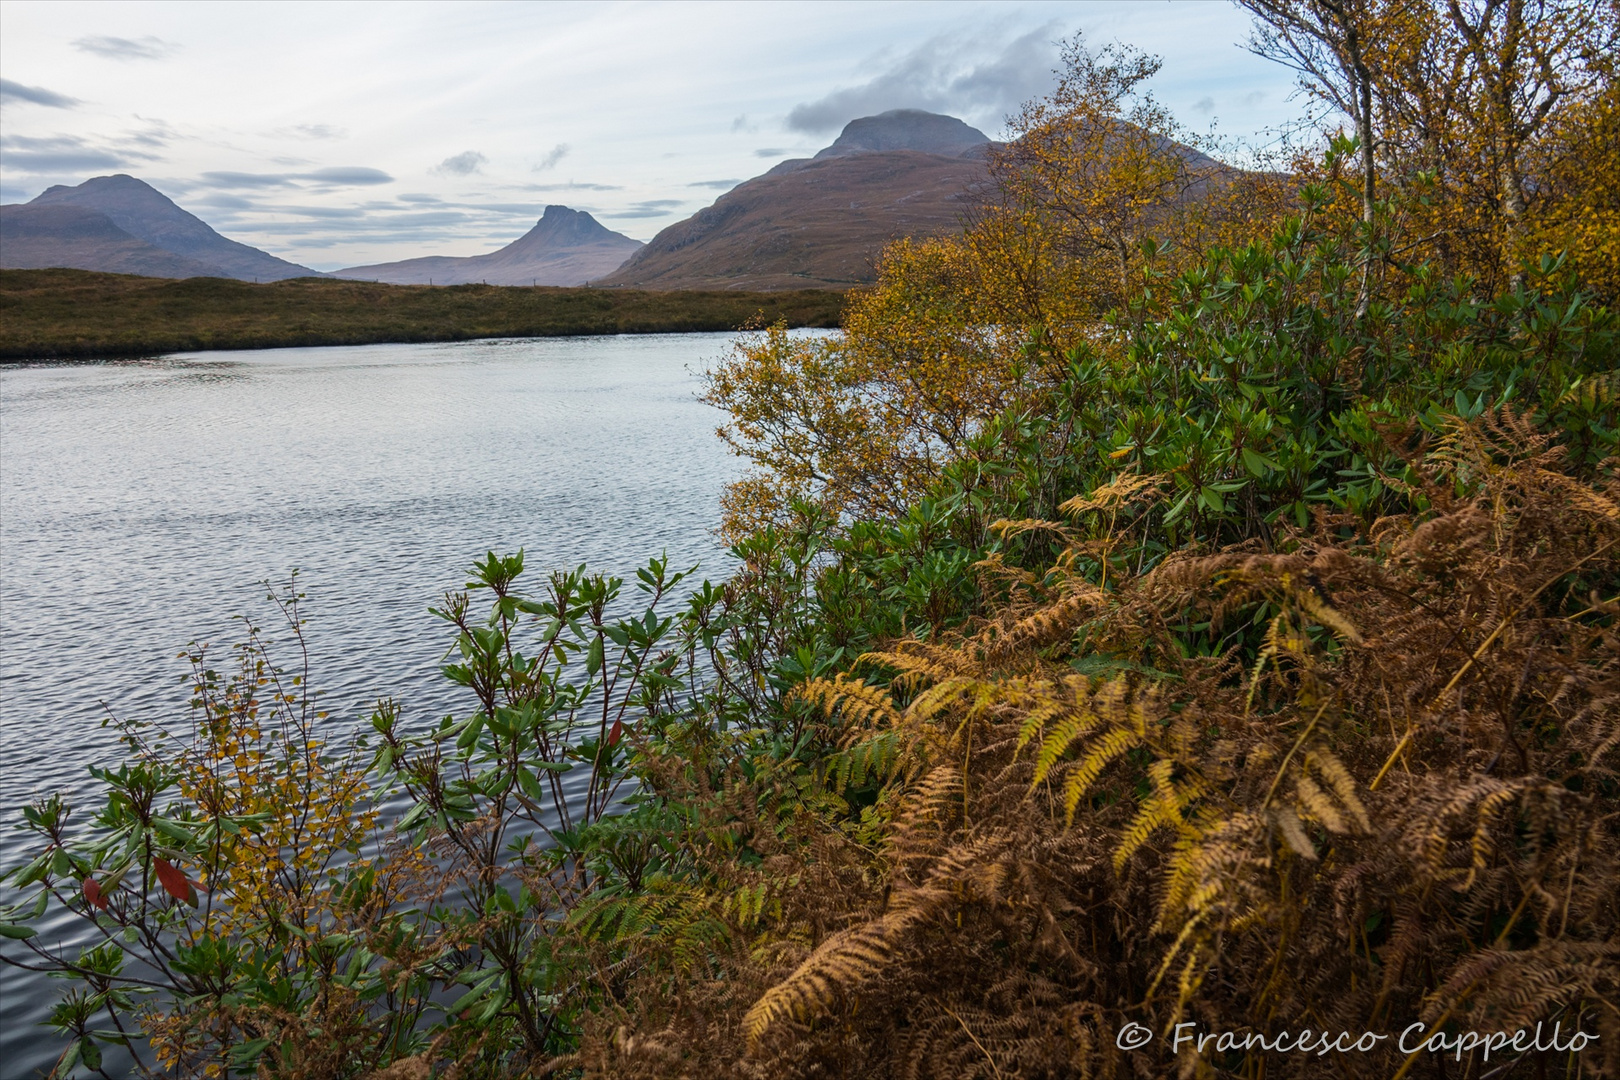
<point x="1205" y="105"/>
<point x="344" y="213"/>
<point x="350" y="176"/>
<point x="719" y="185"/>
<point x="570" y="186"/>
<point x="219" y="200"/>
<point x="33" y="161"/>
<point x="10" y="193"/>
<point x="770" y="151"/>
<point x="247" y="180"/>
<point x="359" y="226"/>
<point x="36" y="95"/>
<point x="420" y="199"/>
<point x="646" y="209"/>
<point x="742" y="124"/>
<point x="65" y="153"/>
<point x="462" y="164"/>
<point x="318" y="131"/>
<point x="41" y="142"/>
<point x="355" y="175"/>
<point x="947" y="74"/>
<point x="554" y="155"/>
<point x="117" y="48"/>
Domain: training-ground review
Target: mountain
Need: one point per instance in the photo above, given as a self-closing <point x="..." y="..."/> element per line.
<point x="821" y="222"/>
<point x="565" y="247"/>
<point x="144" y="212"/>
<point x="906" y="129"/>
<point x="36" y="237"/>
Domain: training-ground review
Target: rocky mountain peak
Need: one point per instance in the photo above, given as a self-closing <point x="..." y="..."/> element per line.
<point x="562" y="226"/>
<point x="906" y="129"/>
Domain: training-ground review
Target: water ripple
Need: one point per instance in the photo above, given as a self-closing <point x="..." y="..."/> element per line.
<point x="142" y="503"/>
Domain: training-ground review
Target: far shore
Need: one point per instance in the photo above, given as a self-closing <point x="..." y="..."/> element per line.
<point x="63" y="314"/>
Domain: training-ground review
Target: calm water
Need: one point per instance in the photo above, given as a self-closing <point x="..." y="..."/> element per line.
<point x="141" y="503"/>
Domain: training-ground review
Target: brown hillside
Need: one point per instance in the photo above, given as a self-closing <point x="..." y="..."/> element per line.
<point x="811" y="224"/>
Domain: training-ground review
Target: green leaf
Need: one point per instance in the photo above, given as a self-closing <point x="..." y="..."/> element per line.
<point x="412" y="816"/>
<point x="248" y="1052"/>
<point x="69" y="1060"/>
<point x="1258" y="464"/>
<point x="530" y="784"/>
<point x="172" y="830"/>
<point x="469" y="735"/>
<point x="17" y="933"/>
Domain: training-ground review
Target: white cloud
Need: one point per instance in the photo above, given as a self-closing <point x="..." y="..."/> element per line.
<point x="641" y="102"/>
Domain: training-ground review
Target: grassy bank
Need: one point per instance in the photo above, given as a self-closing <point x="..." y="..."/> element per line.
<point x="69" y="314"/>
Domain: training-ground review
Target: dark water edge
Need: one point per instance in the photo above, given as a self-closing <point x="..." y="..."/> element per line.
<point x="141" y="503"/>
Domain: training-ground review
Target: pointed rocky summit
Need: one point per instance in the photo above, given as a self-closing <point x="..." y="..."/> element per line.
<point x="565" y="247"/>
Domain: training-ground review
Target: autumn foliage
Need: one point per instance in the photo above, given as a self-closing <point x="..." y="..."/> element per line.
<point x="1189" y="597"/>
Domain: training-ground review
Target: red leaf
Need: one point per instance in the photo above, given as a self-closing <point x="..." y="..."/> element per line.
<point x="614" y="735"/>
<point x="92" y="893"/>
<point x="174" y="882"/>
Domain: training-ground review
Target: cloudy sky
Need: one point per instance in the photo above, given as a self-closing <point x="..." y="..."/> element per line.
<point x="335" y="134"/>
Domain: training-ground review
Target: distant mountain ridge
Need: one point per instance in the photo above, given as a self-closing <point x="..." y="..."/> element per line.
<point x="565" y="247"/>
<point x="822" y="222"/>
<point x="140" y="211"/>
<point x="76" y="237"/>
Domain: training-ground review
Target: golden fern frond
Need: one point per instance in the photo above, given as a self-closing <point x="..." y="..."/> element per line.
<point x="1106" y="750"/>
<point x="1155" y="814"/>
<point x="1327" y="615"/>
<point x="939" y="697"/>
<point x="1331" y="769"/>
<point x="1058" y="740"/>
<point x="1315" y="800"/>
<point x="857" y="700"/>
<point x="936" y="800"/>
<point x="1484" y="814"/>
<point x="1047" y="707"/>
<point x="1112" y="495"/>
<point x="1435" y="838"/>
<point x="1293" y="833"/>
<point x="842" y="962"/>
<point x="919" y="662"/>
<point x="1007" y="529"/>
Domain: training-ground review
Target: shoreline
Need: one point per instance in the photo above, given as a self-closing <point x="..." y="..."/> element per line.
<point x="59" y="315"/>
